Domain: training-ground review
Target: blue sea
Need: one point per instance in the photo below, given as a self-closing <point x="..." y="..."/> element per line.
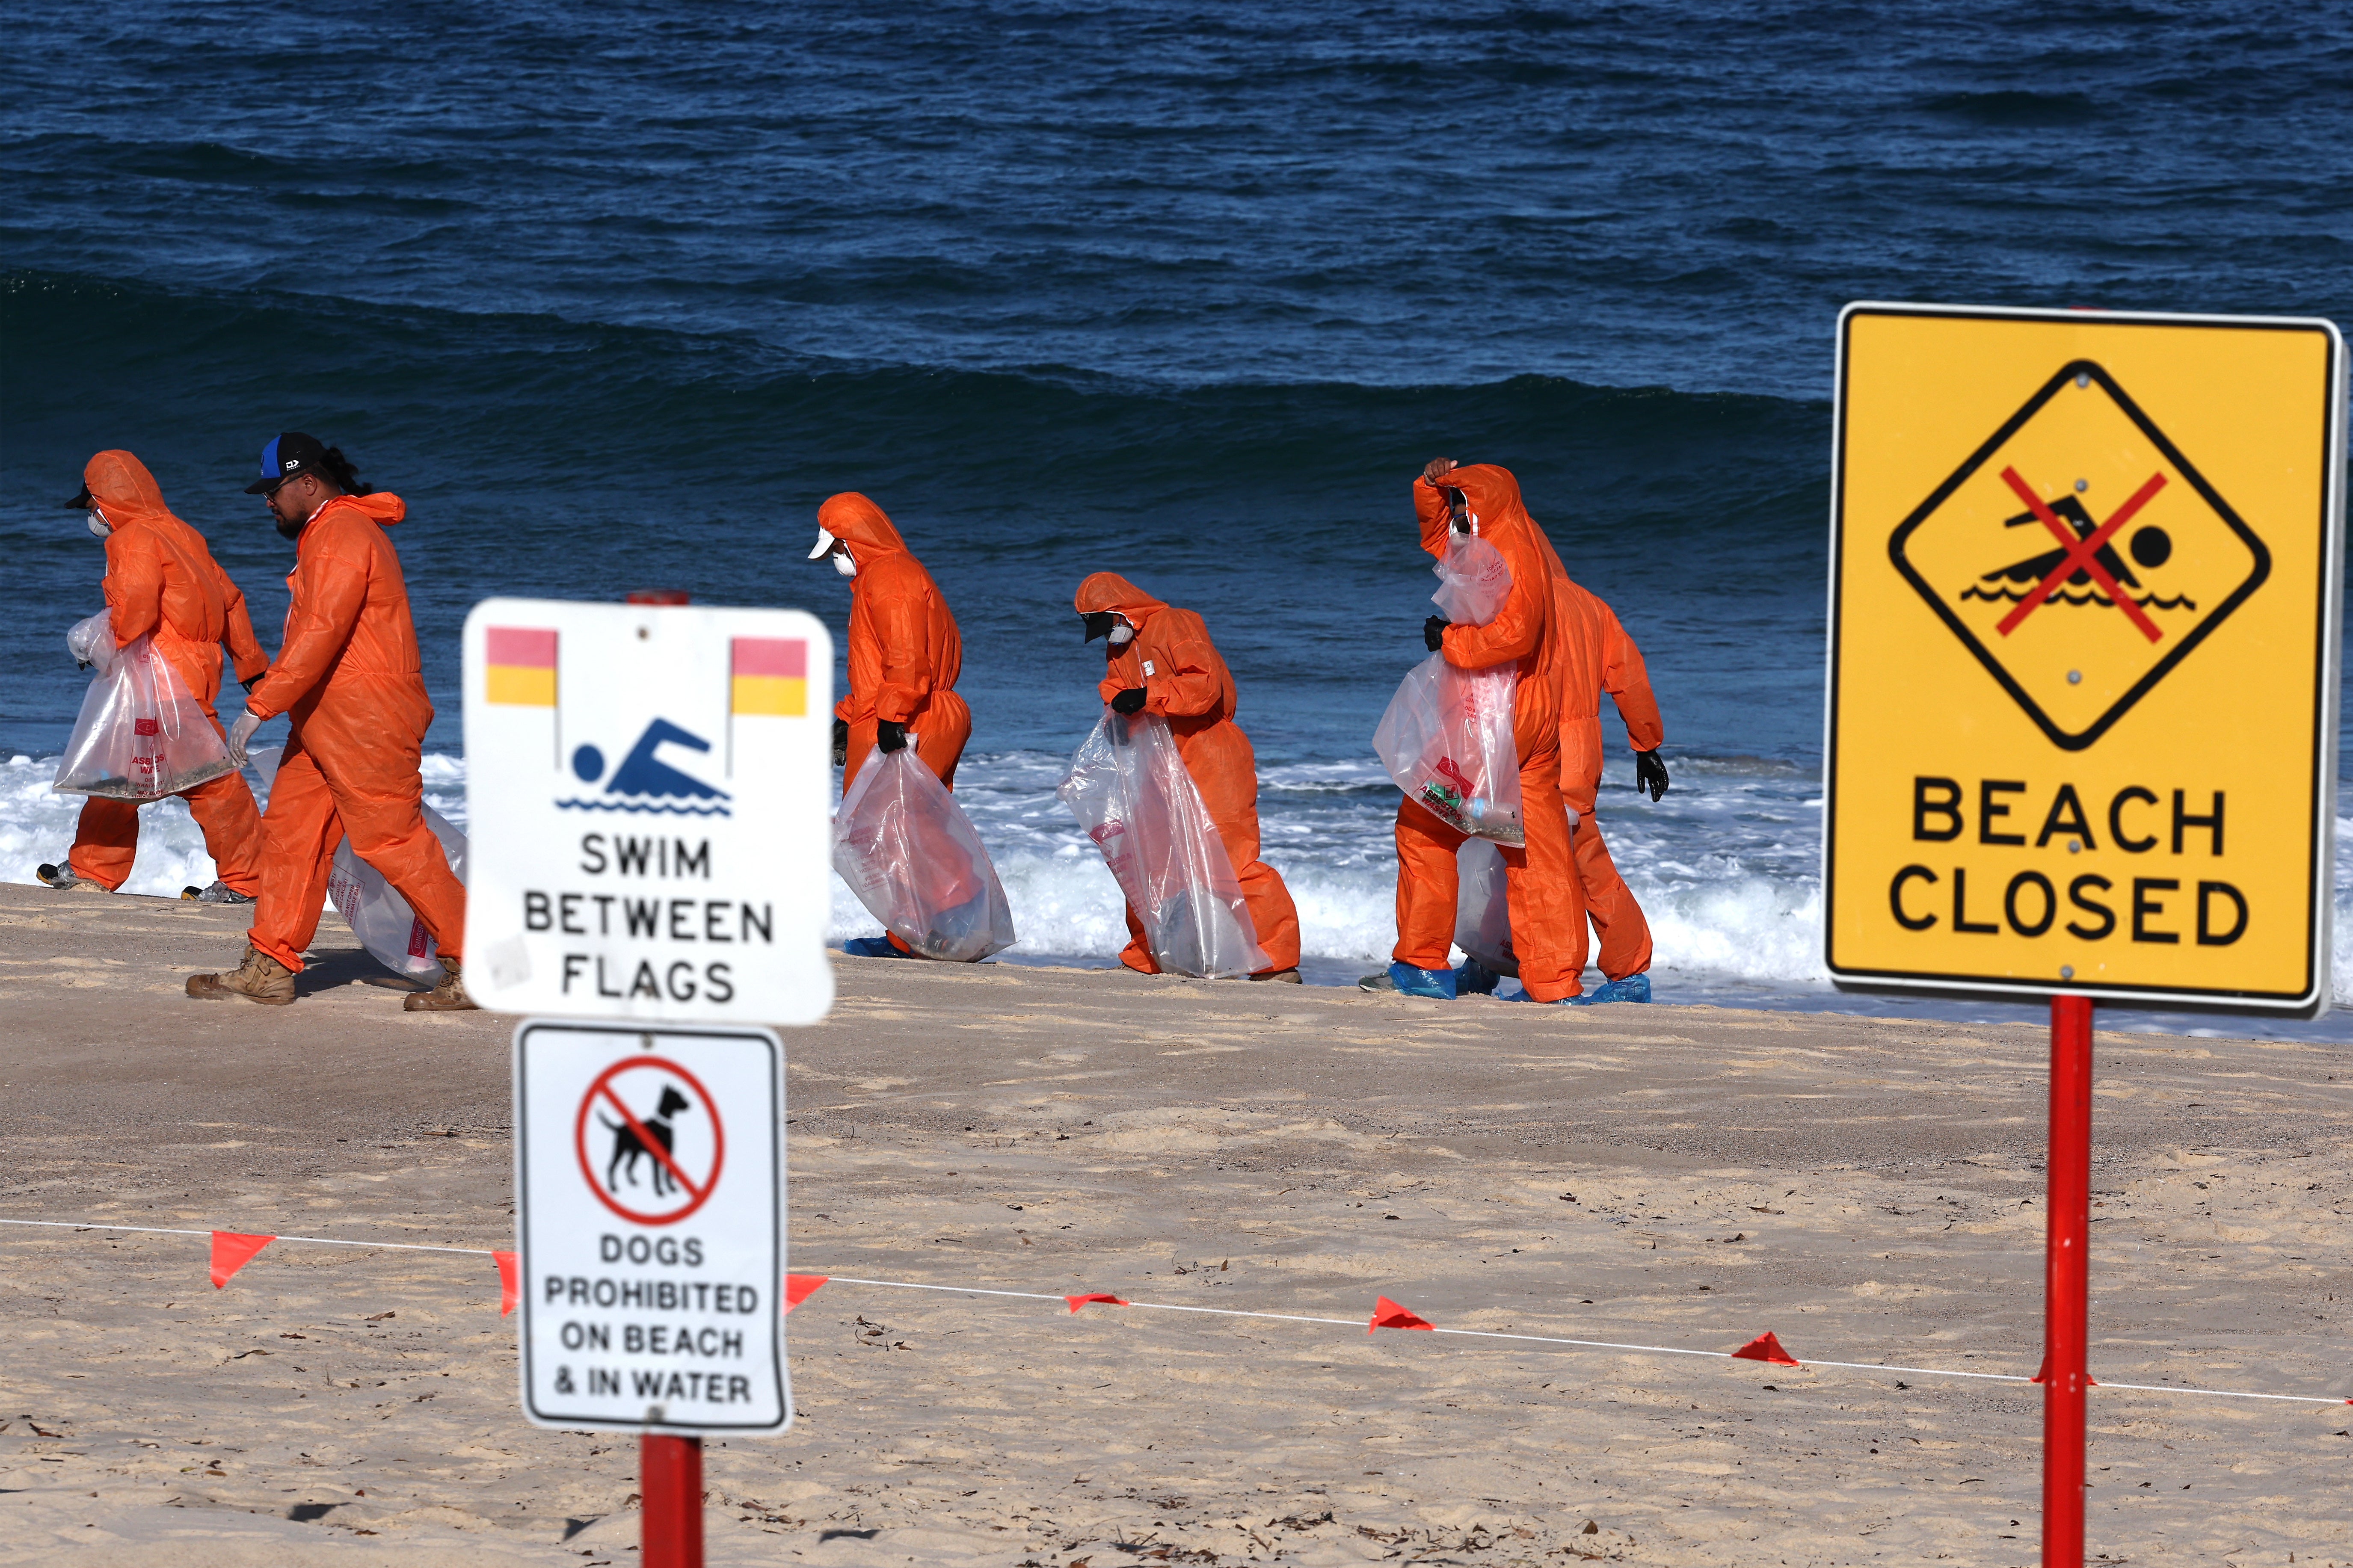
<point x="614" y="295"/>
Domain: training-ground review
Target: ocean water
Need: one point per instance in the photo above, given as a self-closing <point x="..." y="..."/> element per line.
<point x="616" y="295"/>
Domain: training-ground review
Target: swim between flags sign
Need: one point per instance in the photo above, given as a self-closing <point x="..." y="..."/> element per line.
<point x="647" y="786"/>
<point x="2082" y="717"/>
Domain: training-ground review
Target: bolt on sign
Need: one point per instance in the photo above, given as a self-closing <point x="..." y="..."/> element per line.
<point x="648" y="787"/>
<point x="650" y="1182"/>
<point x="2083" y="656"/>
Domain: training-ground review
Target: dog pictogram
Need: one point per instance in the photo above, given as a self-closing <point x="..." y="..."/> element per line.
<point x="629" y="1144"/>
<point x="650" y="1140"/>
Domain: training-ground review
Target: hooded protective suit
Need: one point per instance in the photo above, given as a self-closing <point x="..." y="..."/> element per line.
<point x="904" y="651"/>
<point x="349" y="679"/>
<point x="1599" y="656"/>
<point x="1540" y="880"/>
<point x="1186" y="683"/>
<point x="162" y="579"/>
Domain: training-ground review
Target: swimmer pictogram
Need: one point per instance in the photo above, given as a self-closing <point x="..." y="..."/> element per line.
<point x="2135" y="557"/>
<point x="643" y="783"/>
<point x="650" y="1140"/>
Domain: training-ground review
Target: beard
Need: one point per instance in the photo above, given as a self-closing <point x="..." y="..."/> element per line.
<point x="290" y="529"/>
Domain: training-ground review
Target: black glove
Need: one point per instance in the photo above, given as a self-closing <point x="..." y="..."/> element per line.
<point x="840" y="742"/>
<point x="1433" y="632"/>
<point x="1128" y="702"/>
<point x="1650" y="773"/>
<point x="891" y="736"/>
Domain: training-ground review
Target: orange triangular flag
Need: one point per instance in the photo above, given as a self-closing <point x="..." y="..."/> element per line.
<point x="509" y="1280"/>
<point x="2043" y="1374"/>
<point x="1078" y="1301"/>
<point x="1766" y="1348"/>
<point x="800" y="1288"/>
<point x="1387" y="1314"/>
<point x="232" y="1250"/>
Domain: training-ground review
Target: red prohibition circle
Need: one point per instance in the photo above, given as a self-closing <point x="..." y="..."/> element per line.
<point x="652" y="1147"/>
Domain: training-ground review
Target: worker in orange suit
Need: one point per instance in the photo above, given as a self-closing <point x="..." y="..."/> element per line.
<point x="1602" y="658"/>
<point x="348" y="679"/>
<point x="1159" y="659"/>
<point x="161" y="580"/>
<point x="1540" y="877"/>
<point x="905" y="655"/>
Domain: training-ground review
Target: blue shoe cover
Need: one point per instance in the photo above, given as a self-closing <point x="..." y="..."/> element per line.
<point x="1633" y="988"/>
<point x="1475" y="979"/>
<point x="870" y="947"/>
<point x="1436" y="984"/>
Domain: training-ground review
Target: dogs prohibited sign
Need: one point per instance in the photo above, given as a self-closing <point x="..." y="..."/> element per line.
<point x="649" y="1174"/>
<point x="2083" y="656"/>
<point x="650" y="798"/>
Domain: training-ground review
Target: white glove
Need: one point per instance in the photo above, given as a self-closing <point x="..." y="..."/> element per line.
<point x="239" y="734"/>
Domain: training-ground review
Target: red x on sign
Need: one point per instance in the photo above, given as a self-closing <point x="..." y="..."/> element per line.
<point x="2082" y="554"/>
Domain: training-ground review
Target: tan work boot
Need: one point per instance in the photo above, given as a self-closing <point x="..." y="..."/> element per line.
<point x="1289" y="975"/>
<point x="448" y="995"/>
<point x="261" y="978"/>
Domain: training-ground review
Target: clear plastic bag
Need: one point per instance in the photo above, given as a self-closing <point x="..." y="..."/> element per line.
<point x="1446" y="738"/>
<point x="1483" y="916"/>
<point x="379" y="916"/>
<point x="1447" y="741"/>
<point x="141" y="734"/>
<point x="1130" y="791"/>
<point x="910" y="853"/>
<point x="1474" y="579"/>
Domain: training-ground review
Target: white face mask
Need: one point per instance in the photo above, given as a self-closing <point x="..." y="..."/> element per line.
<point x="1121" y="632"/>
<point x="98" y="523"/>
<point x="843" y="563"/>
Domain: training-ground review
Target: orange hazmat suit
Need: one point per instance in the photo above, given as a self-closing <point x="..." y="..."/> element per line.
<point x="1600" y="656"/>
<point x="349" y="679"/>
<point x="1186" y="683"/>
<point x="161" y="579"/>
<point x="904" y="651"/>
<point x="1540" y="878"/>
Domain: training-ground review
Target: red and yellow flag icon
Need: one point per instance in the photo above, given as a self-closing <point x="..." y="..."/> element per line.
<point x="770" y="675"/>
<point x="520" y="666"/>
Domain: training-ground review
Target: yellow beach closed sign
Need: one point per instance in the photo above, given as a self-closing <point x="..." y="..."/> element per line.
<point x="2084" y="651"/>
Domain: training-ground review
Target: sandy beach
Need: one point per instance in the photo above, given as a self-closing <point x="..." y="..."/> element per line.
<point x="1676" y="1177"/>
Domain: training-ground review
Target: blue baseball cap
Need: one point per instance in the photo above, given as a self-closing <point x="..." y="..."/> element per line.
<point x="289" y="455"/>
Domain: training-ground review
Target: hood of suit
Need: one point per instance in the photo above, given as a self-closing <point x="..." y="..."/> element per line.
<point x="123" y="489"/>
<point x="860" y="525"/>
<point x="1109" y="591"/>
<point x="1493" y="495"/>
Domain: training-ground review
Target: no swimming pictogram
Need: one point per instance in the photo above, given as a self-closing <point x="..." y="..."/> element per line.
<point x="651" y="1140"/>
<point x="2130" y="556"/>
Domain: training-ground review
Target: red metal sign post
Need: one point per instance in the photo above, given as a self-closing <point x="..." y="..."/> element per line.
<point x="669" y="1474"/>
<point x="2066" y="1282"/>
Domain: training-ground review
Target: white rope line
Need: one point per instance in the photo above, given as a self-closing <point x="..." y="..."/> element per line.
<point x="313" y="1240"/>
<point x="1271" y="1317"/>
<point x="1599" y="1344"/>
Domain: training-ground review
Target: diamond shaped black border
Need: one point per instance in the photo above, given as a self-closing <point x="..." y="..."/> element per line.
<point x="2063" y="739"/>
